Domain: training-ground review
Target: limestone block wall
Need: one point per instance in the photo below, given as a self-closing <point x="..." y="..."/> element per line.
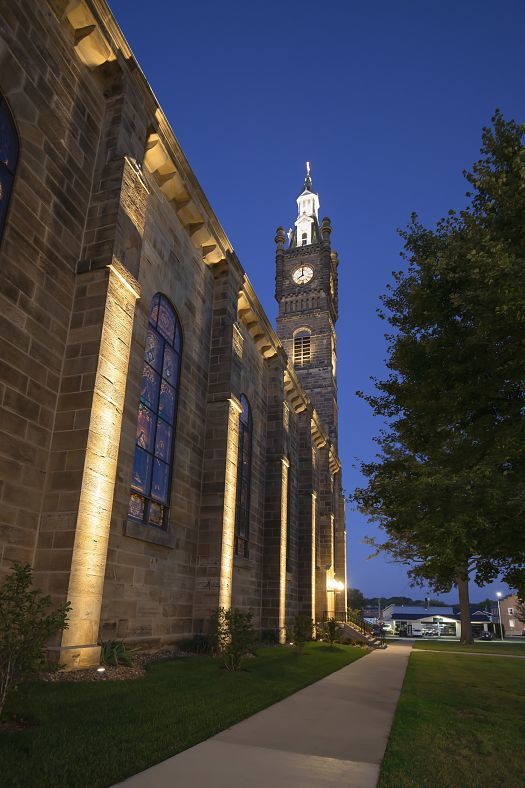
<point x="150" y="574"/>
<point x="247" y="572"/>
<point x="58" y="113"/>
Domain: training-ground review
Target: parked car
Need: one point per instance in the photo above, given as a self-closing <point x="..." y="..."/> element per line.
<point x="486" y="636"/>
<point x="430" y="632"/>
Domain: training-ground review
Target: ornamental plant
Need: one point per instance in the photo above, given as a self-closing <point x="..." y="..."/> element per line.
<point x="302" y="631"/>
<point x="332" y="631"/>
<point x="27" y="620"/>
<point x="236" y="636"/>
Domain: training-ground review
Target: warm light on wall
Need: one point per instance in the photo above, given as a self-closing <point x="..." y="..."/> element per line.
<point x="334" y="585"/>
<point x="230" y="497"/>
<point x="283" y="543"/>
<point x="314" y="499"/>
<point x="88" y="563"/>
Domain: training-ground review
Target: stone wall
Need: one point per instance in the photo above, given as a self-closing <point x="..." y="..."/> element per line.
<point x="105" y="213"/>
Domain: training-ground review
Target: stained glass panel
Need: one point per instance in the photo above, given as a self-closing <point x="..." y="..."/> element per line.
<point x="136" y="506"/>
<point x="153" y="354"/>
<point x="154" y="311"/>
<point x="6" y="182"/>
<point x="140" y="479"/>
<point x="167" y="402"/>
<point x="145" y="428"/>
<point x="242" y="513"/>
<point x="171" y="364"/>
<point x="8" y="138"/>
<point x="156" y="514"/>
<point x="159" y="483"/>
<point x="178" y="339"/>
<point x="163" y="441"/>
<point x="245" y="413"/>
<point x="166" y="320"/>
<point x="155" y="434"/>
<point x="149" y="392"/>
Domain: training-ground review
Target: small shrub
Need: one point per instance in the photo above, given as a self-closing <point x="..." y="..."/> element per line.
<point x="199" y="644"/>
<point x="236" y="637"/>
<point x="114" y="652"/>
<point x="270" y="637"/>
<point x="302" y="630"/>
<point x="27" y="620"/>
<point x="332" y="631"/>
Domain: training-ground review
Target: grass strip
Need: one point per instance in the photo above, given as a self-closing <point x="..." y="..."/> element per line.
<point x="98" y="733"/>
<point x="459" y="722"/>
<point x="492" y="647"/>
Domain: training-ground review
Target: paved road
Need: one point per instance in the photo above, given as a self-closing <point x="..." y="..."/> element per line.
<point x="333" y="733"/>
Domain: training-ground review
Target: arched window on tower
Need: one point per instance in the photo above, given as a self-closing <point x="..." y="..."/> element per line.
<point x="244" y="474"/>
<point x="304" y="239"/>
<point x="9" y="145"/>
<point x="159" y="393"/>
<point x="302" y="347"/>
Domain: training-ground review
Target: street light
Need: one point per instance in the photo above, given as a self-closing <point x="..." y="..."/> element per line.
<point x="499" y="595"/>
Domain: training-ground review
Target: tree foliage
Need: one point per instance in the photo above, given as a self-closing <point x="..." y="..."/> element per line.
<point x="355" y="599"/>
<point x="236" y="636"/>
<point x="448" y="486"/>
<point x="27" y="620"/>
<point x="302" y="630"/>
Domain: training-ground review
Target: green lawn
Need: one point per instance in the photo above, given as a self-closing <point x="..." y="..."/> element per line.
<point x="490" y="647"/>
<point x="95" y="734"/>
<point x="460" y="721"/>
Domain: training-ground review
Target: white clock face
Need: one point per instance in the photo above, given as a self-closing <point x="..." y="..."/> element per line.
<point x="303" y="274"/>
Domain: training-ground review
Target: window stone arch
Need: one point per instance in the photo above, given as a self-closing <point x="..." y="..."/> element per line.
<point x="302" y="347"/>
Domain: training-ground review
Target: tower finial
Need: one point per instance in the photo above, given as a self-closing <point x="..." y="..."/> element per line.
<point x="308" y="179"/>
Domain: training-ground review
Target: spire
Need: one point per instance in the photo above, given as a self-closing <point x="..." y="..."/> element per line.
<point x="307" y="225"/>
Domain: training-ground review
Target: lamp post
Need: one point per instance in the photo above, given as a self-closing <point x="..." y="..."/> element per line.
<point x="499" y="595"/>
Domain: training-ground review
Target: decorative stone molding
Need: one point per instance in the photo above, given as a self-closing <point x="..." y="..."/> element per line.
<point x="333" y="461"/>
<point x="251" y="313"/>
<point x="159" y="162"/>
<point x="91" y="45"/>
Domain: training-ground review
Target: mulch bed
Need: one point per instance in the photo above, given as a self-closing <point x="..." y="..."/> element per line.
<point x="114" y="672"/>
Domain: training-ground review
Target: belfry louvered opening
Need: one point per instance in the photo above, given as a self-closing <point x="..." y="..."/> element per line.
<point x="302" y="349"/>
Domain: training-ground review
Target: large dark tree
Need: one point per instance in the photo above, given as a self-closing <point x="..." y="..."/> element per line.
<point x="355" y="599"/>
<point x="448" y="486"/>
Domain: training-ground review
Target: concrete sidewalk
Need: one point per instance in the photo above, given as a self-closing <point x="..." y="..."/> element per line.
<point x="330" y="734"/>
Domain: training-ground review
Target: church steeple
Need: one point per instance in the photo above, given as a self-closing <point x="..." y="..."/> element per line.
<point x="307" y="292"/>
<point x="307" y="223"/>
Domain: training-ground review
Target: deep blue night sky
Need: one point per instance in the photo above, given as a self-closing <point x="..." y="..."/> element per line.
<point x="386" y="100"/>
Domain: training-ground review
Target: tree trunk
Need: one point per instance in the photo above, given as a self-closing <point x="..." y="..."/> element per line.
<point x="464" y="609"/>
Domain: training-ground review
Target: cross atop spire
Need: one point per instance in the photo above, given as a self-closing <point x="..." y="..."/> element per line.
<point x="308" y="180"/>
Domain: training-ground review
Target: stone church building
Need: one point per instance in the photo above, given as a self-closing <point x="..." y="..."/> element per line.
<point x="163" y="450"/>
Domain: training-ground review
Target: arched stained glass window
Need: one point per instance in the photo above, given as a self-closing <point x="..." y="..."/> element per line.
<point x="8" y="158"/>
<point x="244" y="473"/>
<point x="152" y="466"/>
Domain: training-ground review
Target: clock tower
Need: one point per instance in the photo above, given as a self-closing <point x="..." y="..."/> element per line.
<point x="306" y="291"/>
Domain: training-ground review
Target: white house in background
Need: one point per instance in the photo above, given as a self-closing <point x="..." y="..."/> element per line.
<point x="433" y="621"/>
